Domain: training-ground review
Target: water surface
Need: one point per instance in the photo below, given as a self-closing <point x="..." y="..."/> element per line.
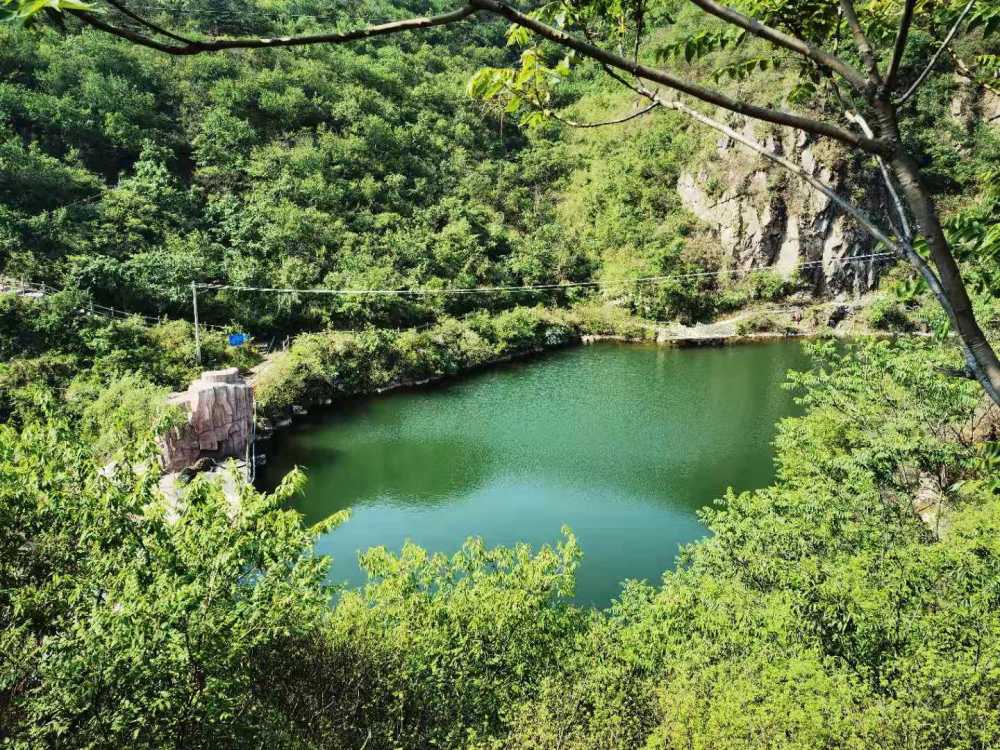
<point x="621" y="442"/>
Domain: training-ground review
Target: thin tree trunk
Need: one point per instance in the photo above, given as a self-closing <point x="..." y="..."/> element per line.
<point x="979" y="355"/>
<point x="981" y="358"/>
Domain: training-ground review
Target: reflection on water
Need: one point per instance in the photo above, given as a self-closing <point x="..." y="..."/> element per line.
<point x="622" y="443"/>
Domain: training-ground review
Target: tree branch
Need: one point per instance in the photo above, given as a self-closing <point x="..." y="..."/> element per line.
<point x="539" y="105"/>
<point x="639" y="17"/>
<point x="781" y="39"/>
<point x="497" y="7"/>
<point x="214" y="45"/>
<point x="906" y="233"/>
<point x="770" y="155"/>
<point x="904" y="248"/>
<point x="861" y="41"/>
<point x="148" y="24"/>
<point x="902" y="35"/>
<point x="126" y="34"/>
<point x="711" y="96"/>
<point x="933" y="61"/>
<point x="603" y="123"/>
<point x="866" y="223"/>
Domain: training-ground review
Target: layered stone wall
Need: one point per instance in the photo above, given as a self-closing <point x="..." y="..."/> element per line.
<point x="220" y="420"/>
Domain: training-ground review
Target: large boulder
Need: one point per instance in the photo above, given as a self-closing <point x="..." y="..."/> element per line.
<point x="220" y="410"/>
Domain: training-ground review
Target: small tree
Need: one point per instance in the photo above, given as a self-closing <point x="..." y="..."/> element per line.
<point x="867" y="81"/>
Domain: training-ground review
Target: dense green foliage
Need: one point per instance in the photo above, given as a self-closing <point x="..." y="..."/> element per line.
<point x="328" y="365"/>
<point x="54" y="343"/>
<point x="823" y="612"/>
<point x="360" y="167"/>
<point x="364" y="167"/>
<point x="130" y="176"/>
<point x="123" y="625"/>
<point x="368" y="166"/>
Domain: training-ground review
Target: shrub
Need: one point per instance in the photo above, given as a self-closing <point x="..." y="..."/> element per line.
<point x="26" y="383"/>
<point x="118" y="415"/>
<point x="31" y="326"/>
<point x="122" y="625"/>
<point x="732" y="298"/>
<point x="763" y="285"/>
<point x="767" y="286"/>
<point x="760" y="323"/>
<point x="331" y="364"/>
<point x="518" y="330"/>
<point x="887" y="314"/>
<point x="607" y="320"/>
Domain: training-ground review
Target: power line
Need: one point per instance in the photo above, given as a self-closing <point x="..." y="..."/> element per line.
<point x="8" y="284"/>
<point x="522" y="288"/>
<point x="80" y="201"/>
<point x="22" y="285"/>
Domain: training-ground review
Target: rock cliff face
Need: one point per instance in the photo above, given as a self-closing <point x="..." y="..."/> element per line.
<point x="220" y="420"/>
<point x="763" y="217"/>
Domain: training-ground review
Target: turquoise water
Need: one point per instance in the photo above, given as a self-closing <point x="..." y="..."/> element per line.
<point x="623" y="443"/>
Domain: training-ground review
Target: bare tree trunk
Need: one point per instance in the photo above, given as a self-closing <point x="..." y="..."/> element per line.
<point x="980" y="357"/>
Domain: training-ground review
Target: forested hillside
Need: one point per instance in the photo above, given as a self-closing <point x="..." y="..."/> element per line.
<point x="828" y="610"/>
<point x="126" y="177"/>
<point x="358" y="167"/>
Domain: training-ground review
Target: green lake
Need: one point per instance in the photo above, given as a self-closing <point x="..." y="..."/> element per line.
<point x="623" y="443"/>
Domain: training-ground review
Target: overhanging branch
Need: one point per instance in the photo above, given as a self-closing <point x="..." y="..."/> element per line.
<point x="214" y="45"/>
<point x="605" y="123"/>
<point x="124" y="10"/>
<point x="781" y="39"/>
<point x="861" y="41"/>
<point x="903" y="248"/>
<point x="710" y="96"/>
<point x="904" y="223"/>
<point x="496" y="7"/>
<point x="902" y="35"/>
<point x="934" y="58"/>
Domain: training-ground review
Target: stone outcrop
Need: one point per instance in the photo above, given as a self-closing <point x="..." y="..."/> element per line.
<point x="972" y="103"/>
<point x="763" y="217"/>
<point x="220" y="410"/>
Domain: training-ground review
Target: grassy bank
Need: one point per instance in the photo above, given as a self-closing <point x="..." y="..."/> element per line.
<point x="334" y="364"/>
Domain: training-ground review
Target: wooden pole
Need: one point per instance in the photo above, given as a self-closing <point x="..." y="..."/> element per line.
<point x="194" y="304"/>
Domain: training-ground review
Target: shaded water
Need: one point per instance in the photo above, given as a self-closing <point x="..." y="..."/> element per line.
<point x="621" y="442"/>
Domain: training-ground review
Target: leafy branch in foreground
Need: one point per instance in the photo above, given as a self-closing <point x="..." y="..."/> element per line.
<point x="25" y="12"/>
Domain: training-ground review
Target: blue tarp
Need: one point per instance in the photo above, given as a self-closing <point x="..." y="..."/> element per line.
<point x="237" y="339"/>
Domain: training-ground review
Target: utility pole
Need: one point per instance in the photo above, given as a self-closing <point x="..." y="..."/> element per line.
<point x="194" y="304"/>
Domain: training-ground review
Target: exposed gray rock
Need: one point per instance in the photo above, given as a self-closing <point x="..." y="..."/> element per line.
<point x="838" y="315"/>
<point x="972" y="103"/>
<point x="989" y="107"/>
<point x="765" y="218"/>
<point x="220" y="421"/>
